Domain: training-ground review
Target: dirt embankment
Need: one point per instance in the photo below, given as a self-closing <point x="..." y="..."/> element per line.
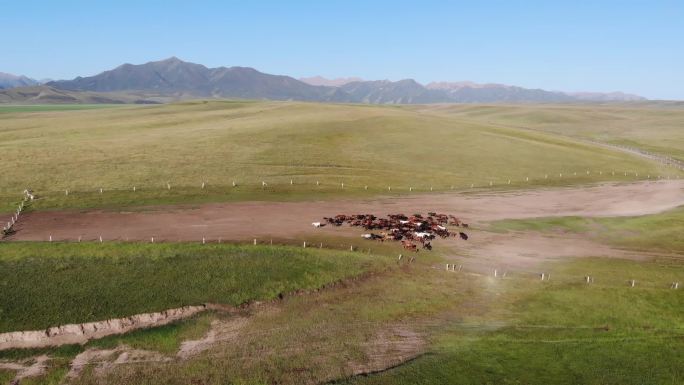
<point x="81" y="333"/>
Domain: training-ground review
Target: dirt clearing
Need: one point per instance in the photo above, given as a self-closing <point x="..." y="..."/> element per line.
<point x="262" y="220"/>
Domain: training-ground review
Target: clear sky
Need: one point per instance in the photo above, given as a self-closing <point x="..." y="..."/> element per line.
<point x="600" y="45"/>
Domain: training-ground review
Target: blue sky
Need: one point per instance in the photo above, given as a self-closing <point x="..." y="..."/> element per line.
<point x="632" y="46"/>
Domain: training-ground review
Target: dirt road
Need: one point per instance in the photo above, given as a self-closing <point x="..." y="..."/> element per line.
<point x="248" y="220"/>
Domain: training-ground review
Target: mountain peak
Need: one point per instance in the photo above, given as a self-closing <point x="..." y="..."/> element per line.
<point x="172" y="59"/>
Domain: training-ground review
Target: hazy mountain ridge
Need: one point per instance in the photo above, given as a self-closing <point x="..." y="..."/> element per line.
<point x="176" y="79"/>
<point x="13" y="81"/>
<point x="337" y="82"/>
<point x="466" y="91"/>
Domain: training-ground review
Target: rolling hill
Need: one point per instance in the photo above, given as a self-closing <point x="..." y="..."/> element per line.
<point x="50" y="95"/>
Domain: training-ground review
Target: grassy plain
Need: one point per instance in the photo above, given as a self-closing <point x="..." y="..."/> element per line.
<point x="652" y="126"/>
<point x="219" y="142"/>
<point x="566" y="332"/>
<point x="47" y="284"/>
<point x="477" y="329"/>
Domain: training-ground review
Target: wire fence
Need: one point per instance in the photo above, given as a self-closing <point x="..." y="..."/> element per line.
<point x="313" y="186"/>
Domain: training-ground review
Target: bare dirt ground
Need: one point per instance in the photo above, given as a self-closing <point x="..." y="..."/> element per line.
<point x="527" y="251"/>
<point x="104" y="359"/>
<point x="35" y="367"/>
<point x="262" y="220"/>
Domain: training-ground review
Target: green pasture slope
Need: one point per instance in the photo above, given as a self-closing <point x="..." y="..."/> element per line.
<point x="654" y="126"/>
<point x="47" y="284"/>
<point x="218" y="142"/>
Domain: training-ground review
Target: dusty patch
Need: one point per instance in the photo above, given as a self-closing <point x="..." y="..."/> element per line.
<point x="36" y="368"/>
<point x="221" y="331"/>
<point x="389" y="347"/>
<point x="263" y="220"/>
<point x="104" y="359"/>
<point x="525" y="251"/>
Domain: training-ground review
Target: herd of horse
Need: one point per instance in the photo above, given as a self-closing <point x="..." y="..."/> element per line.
<point x="409" y="230"/>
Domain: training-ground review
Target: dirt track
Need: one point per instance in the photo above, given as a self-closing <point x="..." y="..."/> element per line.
<point x="248" y="220"/>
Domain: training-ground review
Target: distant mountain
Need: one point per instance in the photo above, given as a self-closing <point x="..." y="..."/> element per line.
<point x="173" y="79"/>
<point x="321" y="81"/>
<point x="406" y="91"/>
<point x="176" y="77"/>
<point x="606" y="96"/>
<point x="468" y="92"/>
<point x="12" y="81"/>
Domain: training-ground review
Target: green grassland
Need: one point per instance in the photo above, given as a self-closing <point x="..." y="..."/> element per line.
<point x="479" y="329"/>
<point x="662" y="232"/>
<point x="652" y="126"/>
<point x="219" y="142"/>
<point x="566" y="332"/>
<point x="43" y="285"/>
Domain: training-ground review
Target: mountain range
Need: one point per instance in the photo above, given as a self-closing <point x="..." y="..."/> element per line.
<point x="173" y="79"/>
